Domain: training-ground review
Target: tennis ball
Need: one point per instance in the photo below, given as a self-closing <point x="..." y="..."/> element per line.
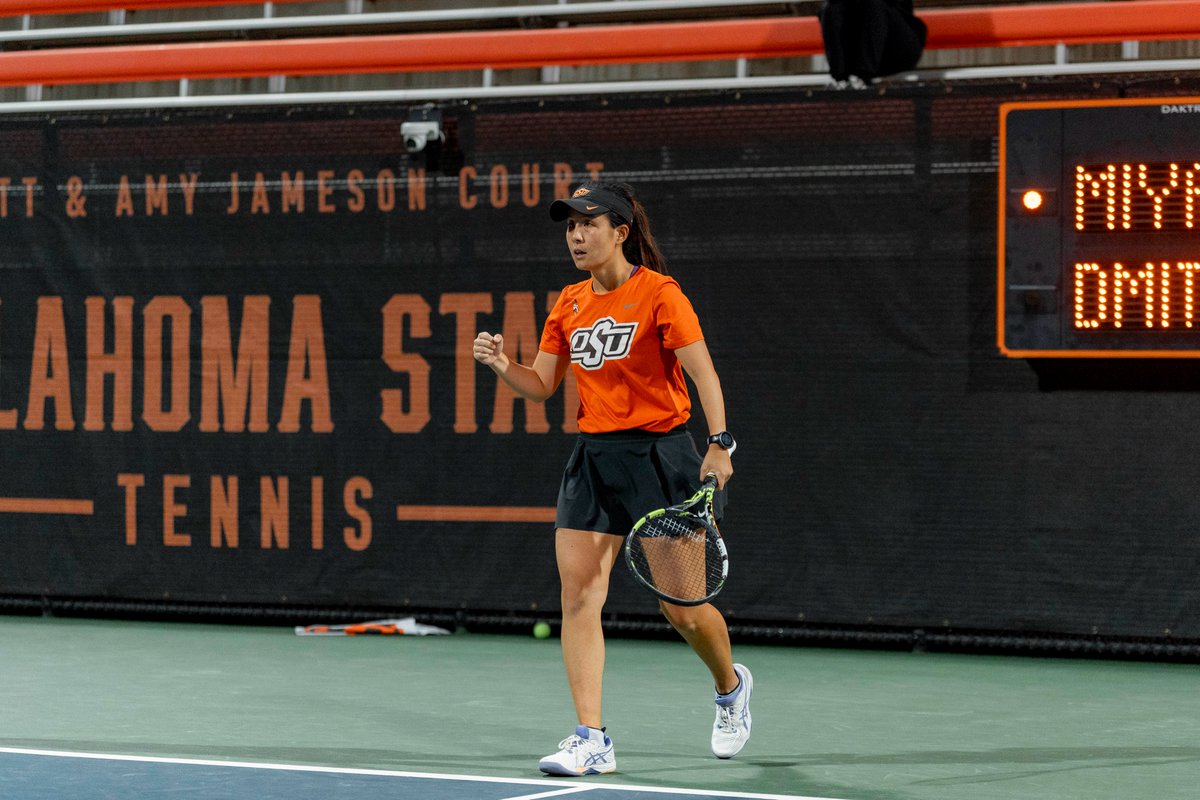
<point x="541" y="630"/>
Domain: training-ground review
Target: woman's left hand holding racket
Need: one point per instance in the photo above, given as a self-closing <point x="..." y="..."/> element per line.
<point x="717" y="462"/>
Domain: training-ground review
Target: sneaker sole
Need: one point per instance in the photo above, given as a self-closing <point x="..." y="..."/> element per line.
<point x="557" y="769"/>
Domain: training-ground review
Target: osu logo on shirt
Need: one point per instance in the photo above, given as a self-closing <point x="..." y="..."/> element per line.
<point x="605" y="340"/>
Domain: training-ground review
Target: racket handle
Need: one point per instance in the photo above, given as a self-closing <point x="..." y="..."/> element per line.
<point x="710" y="480"/>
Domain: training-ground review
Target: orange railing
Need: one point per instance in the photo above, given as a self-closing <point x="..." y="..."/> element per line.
<point x="1004" y="26"/>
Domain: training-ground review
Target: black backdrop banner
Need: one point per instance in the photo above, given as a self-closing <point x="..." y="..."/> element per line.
<point x="235" y="364"/>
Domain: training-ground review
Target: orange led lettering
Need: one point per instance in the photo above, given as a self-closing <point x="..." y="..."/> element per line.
<point x="1136" y="196"/>
<point x="1190" y="190"/>
<point x="1090" y="284"/>
<point x="1095" y="197"/>
<point x="1160" y="296"/>
<point x="1158" y="193"/>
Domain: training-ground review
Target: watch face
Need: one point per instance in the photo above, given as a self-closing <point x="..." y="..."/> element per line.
<point x="725" y="439"/>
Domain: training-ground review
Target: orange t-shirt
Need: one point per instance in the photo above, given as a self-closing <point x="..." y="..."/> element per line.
<point x="620" y="345"/>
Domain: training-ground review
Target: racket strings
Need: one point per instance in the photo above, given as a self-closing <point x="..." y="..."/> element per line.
<point x="668" y="525"/>
<point x="679" y="556"/>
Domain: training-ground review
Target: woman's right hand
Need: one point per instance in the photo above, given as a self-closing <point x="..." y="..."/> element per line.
<point x="489" y="349"/>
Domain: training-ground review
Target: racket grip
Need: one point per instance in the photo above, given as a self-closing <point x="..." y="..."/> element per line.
<point x="710" y="480"/>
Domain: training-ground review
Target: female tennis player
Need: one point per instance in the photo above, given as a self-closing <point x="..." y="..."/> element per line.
<point x="629" y="334"/>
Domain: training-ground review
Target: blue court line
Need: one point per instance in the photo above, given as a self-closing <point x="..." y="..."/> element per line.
<point x="55" y="775"/>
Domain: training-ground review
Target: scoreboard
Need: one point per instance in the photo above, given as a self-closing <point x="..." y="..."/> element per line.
<point x="1098" y="235"/>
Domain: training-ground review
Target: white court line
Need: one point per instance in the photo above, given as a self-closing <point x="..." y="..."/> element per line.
<point x="569" y="790"/>
<point x="565" y="786"/>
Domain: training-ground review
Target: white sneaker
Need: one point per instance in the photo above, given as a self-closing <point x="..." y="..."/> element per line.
<point x="731" y="729"/>
<point x="585" y="752"/>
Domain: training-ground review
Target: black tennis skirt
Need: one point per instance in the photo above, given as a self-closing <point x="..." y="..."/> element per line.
<point x="614" y="479"/>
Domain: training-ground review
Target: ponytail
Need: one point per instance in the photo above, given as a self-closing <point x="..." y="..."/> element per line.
<point x="639" y="247"/>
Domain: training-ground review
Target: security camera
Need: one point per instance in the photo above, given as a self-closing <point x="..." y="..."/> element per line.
<point x="418" y="134"/>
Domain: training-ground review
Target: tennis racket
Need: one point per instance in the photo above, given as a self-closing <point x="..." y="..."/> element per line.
<point x="677" y="552"/>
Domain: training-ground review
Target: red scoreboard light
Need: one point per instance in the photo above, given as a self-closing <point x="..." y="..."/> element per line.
<point x="1099" y="241"/>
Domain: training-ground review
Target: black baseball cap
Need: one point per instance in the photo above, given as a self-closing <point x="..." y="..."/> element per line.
<point x="592" y="200"/>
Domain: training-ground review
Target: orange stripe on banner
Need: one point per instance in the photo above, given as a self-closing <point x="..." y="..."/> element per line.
<point x="46" y="505"/>
<point x="475" y="513"/>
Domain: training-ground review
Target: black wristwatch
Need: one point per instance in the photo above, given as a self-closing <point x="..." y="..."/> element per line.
<point x="724" y="440"/>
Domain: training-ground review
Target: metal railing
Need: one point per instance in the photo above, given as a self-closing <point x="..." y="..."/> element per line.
<point x="267" y="25"/>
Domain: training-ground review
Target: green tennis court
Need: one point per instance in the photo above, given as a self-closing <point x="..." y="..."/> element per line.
<point x="429" y="717"/>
